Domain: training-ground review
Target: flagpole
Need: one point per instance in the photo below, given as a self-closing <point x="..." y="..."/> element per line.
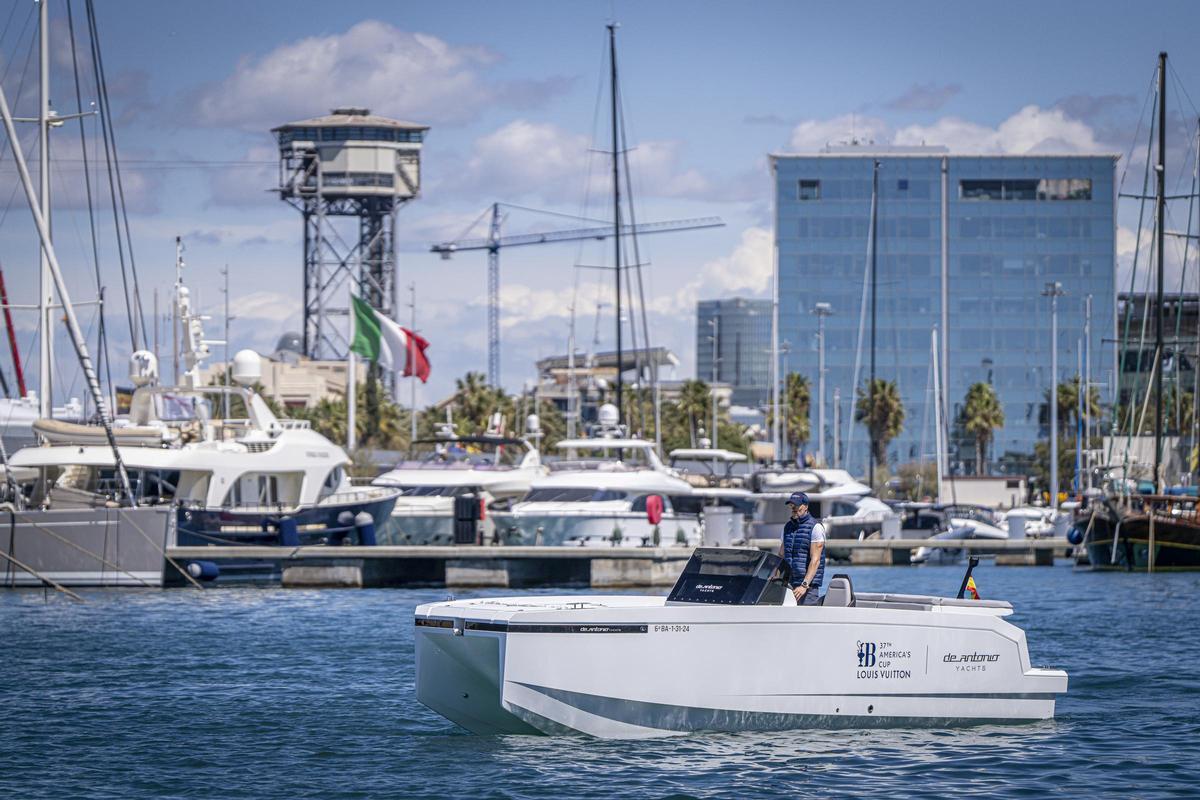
<point x="412" y="408"/>
<point x="351" y="382"/>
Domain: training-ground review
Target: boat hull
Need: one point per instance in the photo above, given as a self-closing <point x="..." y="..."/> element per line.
<point x="323" y="524"/>
<point x="86" y="547"/>
<point x="1176" y="543"/>
<point x="591" y="528"/>
<point x="643" y="672"/>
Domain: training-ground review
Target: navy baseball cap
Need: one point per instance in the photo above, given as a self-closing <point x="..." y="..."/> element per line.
<point x="798" y="498"/>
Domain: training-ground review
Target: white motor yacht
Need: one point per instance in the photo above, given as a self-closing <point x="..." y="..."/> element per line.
<point x="600" y="494"/>
<point x="198" y="478"/>
<point x="560" y="665"/>
<point x="719" y="495"/>
<point x="492" y="469"/>
<point x="845" y="506"/>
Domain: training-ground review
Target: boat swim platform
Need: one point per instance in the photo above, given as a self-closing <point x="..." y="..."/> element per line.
<point x="510" y="567"/>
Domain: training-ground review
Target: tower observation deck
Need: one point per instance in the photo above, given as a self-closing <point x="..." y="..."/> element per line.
<point x="348" y="174"/>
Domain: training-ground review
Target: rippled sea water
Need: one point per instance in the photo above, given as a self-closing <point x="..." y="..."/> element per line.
<point x="253" y="692"/>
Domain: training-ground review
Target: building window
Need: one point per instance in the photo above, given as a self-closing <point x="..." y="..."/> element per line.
<point x="902" y="185"/>
<point x="1026" y="189"/>
<point x="809" y="190"/>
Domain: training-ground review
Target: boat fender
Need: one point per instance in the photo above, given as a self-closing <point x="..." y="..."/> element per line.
<point x="1075" y="535"/>
<point x="203" y="570"/>
<point x="365" y="524"/>
<point x="289" y="532"/>
<point x="654" y="509"/>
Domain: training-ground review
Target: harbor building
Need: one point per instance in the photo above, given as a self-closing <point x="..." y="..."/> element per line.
<point x="736" y="333"/>
<point x="985" y="232"/>
<point x="1136" y="317"/>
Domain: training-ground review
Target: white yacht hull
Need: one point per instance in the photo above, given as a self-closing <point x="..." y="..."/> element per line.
<point x="594" y="527"/>
<point x="628" y="667"/>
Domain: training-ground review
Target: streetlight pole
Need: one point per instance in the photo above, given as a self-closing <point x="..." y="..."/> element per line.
<point x="822" y="310"/>
<point x="837" y="424"/>
<point x="715" y="324"/>
<point x="785" y="349"/>
<point x="1054" y="291"/>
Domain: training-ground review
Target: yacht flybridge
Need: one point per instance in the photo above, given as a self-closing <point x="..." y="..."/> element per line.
<point x="554" y="665"/>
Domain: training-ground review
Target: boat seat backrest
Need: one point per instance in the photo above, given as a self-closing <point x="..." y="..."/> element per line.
<point x="840" y="592"/>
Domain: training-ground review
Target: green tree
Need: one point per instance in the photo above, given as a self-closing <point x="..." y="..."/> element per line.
<point x="981" y="416"/>
<point x="884" y="417"/>
<point x="797" y="399"/>
<point x="1067" y="394"/>
<point x="694" y="403"/>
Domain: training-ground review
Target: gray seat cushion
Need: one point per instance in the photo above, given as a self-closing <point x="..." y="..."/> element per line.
<point x="840" y="592"/>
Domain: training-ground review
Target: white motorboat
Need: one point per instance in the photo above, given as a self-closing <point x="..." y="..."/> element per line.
<point x="718" y="478"/>
<point x="845" y="506"/>
<point x="600" y="494"/>
<point x="555" y="665"/>
<point x="492" y="469"/>
<point x="949" y="524"/>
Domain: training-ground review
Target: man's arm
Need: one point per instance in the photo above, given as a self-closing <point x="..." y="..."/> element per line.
<point x="814" y="560"/>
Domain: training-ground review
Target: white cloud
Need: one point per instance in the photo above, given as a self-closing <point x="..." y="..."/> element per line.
<point x="266" y="306"/>
<point x="540" y="159"/>
<point x="812" y="135"/>
<point x="747" y="270"/>
<point x="1031" y="129"/>
<point x="409" y="75"/>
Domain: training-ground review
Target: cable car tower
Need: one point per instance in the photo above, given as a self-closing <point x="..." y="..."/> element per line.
<point x="347" y="165"/>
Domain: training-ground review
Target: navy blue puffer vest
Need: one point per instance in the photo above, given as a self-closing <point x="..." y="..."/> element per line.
<point x="797" y="537"/>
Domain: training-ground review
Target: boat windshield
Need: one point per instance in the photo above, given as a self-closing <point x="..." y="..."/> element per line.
<point x="436" y="491"/>
<point x="572" y="494"/>
<point x="455" y="454"/>
<point x="730" y="576"/>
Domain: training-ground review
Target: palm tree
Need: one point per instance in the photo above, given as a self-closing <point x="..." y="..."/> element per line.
<point x="693" y="402"/>
<point x="981" y="416"/>
<point x="1067" y="394"/>
<point x="797" y="399"/>
<point x="885" y="421"/>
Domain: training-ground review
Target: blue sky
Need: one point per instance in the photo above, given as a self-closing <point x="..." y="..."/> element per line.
<point x="510" y="92"/>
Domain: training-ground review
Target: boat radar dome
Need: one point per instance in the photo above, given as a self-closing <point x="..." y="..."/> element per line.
<point x="247" y="368"/>
<point x="533" y="423"/>
<point x="143" y="368"/>
<point x="608" y="415"/>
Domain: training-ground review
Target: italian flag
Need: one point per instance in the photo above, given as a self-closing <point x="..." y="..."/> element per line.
<point x="381" y="340"/>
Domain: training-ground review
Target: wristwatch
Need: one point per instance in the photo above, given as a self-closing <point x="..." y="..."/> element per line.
<point x="804" y="584"/>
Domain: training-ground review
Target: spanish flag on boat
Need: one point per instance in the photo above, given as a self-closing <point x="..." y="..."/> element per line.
<point x="971" y="588"/>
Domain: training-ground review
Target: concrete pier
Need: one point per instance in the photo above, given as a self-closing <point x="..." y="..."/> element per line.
<point x="522" y="567"/>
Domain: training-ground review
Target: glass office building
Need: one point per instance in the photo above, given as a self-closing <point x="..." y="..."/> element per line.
<point x="1011" y="224"/>
<point x="742" y="347"/>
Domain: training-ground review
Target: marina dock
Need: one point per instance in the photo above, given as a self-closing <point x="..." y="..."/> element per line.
<point x="516" y="567"/>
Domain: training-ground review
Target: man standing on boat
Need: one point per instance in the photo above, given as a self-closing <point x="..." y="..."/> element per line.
<point x="803" y="548"/>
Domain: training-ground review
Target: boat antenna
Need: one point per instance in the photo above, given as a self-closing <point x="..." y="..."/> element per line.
<point x="972" y="563"/>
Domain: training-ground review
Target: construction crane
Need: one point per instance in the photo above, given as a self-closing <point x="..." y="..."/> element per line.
<point x="494" y="242"/>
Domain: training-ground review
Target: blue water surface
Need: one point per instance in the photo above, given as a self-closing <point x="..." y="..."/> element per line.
<point x="267" y="692"/>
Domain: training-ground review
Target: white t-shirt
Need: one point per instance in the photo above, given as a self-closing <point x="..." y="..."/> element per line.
<point x="818" y="532"/>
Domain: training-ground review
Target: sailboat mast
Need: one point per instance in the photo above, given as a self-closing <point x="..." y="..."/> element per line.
<point x="616" y="161"/>
<point x="874" y="304"/>
<point x="1160" y="215"/>
<point x="46" y="282"/>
